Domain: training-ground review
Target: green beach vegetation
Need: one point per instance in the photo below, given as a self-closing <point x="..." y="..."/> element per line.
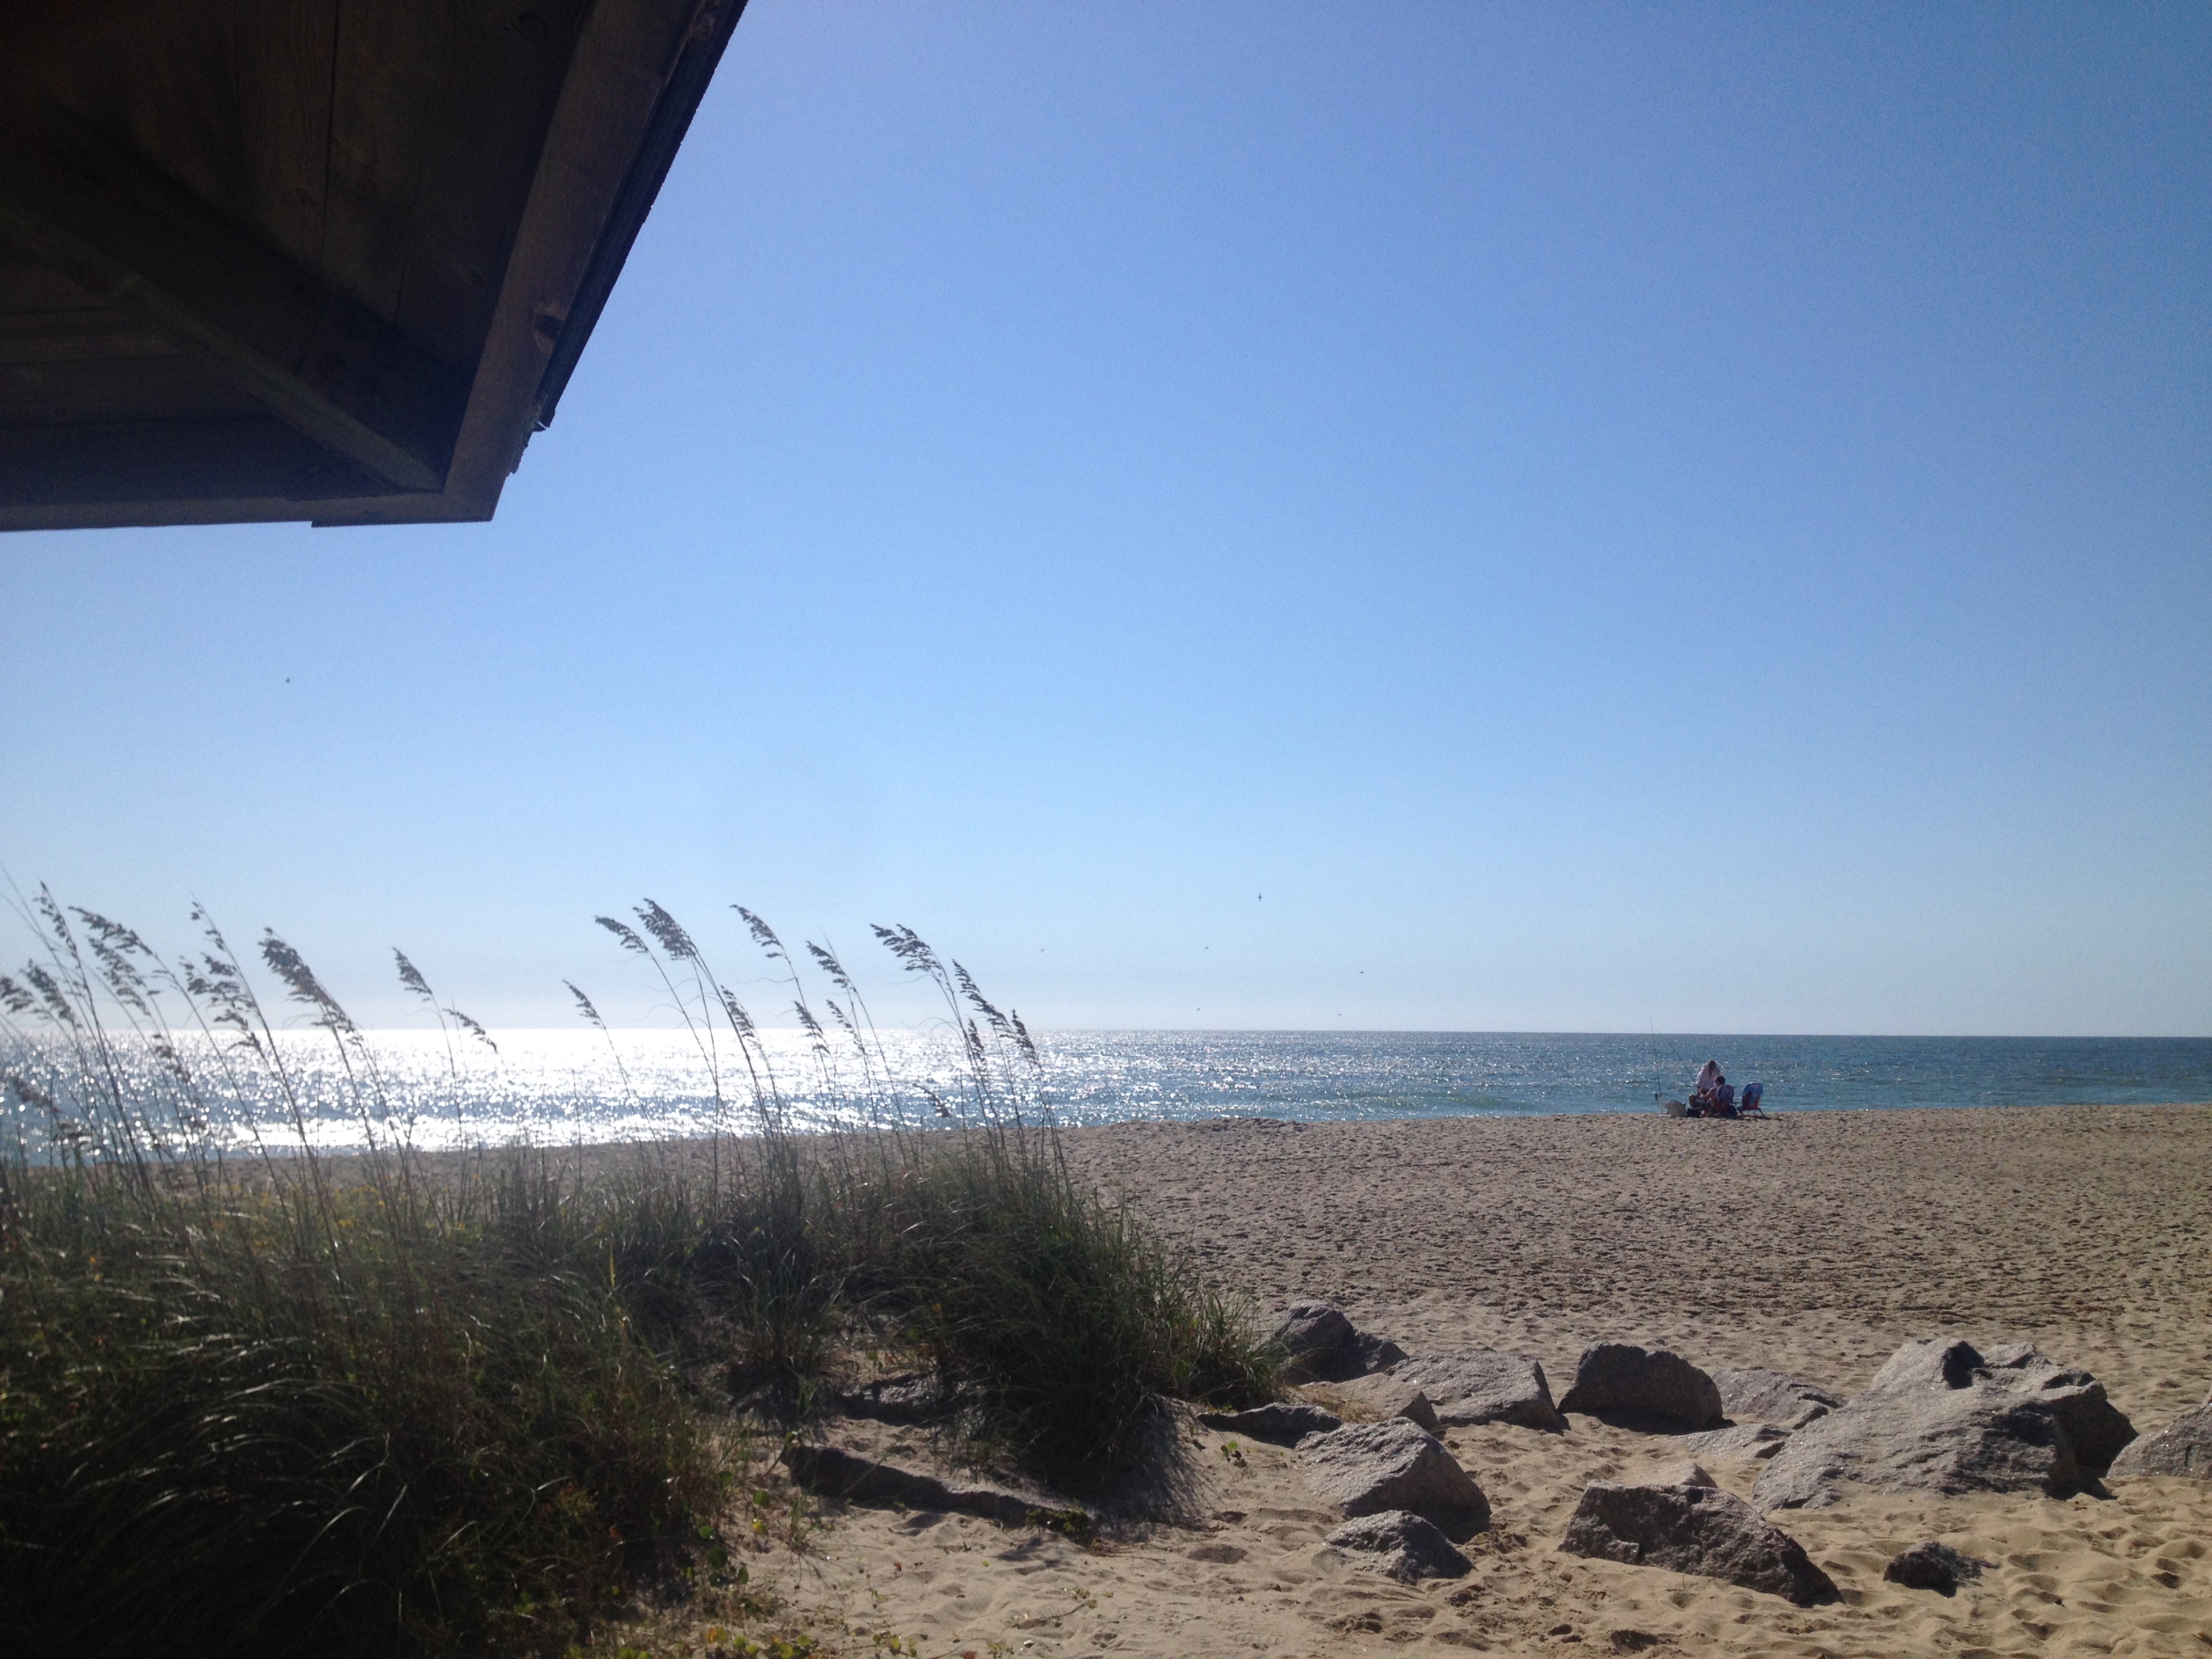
<point x="259" y="1399"/>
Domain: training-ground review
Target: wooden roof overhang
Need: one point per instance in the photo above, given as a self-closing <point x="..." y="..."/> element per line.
<point x="322" y="259"/>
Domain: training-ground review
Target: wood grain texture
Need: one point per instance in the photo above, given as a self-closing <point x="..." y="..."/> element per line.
<point x="620" y="68"/>
<point x="284" y="54"/>
<point x="87" y="332"/>
<point x="510" y="64"/>
<point x="164" y="464"/>
<point x="137" y="240"/>
<point x="394" y="75"/>
<point x="159" y="384"/>
<point x="372" y="215"/>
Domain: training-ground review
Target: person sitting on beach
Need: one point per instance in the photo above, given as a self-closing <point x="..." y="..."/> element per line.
<point x="1701" y="1091"/>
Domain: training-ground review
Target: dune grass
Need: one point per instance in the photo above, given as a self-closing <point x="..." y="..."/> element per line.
<point x="257" y="1399"/>
<point x="274" y="1423"/>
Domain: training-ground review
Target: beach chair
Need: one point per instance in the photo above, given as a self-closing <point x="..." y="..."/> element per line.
<point x="1749" y="1106"/>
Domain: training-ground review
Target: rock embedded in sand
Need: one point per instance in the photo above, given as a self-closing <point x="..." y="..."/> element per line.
<point x="2182" y="1447"/>
<point x="1364" y="1469"/>
<point x="1694" y="1529"/>
<point x="1387" y="1394"/>
<point x="1407" y="1548"/>
<point x="2098" y="1429"/>
<point x="1941" y="1416"/>
<point x="1752" y="1440"/>
<point x="1766" y="1396"/>
<point x="1475" y="1386"/>
<point x="1932" y="1566"/>
<point x="1280" y="1422"/>
<point x="1308" y="1329"/>
<point x="1643" y="1387"/>
<point x="1323" y="1345"/>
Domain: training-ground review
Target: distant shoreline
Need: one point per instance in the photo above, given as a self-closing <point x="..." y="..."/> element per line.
<point x="563" y="1086"/>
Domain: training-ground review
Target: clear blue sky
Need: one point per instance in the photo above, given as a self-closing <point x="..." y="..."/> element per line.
<point x="1605" y="516"/>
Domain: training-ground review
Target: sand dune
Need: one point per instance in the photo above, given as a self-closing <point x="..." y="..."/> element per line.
<point x="1814" y="1243"/>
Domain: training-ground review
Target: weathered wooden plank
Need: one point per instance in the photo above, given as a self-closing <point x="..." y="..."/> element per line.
<point x="394" y="71"/>
<point x="620" y="71"/>
<point x="164" y="461"/>
<point x="685" y="82"/>
<point x="151" y="76"/>
<point x="321" y="362"/>
<point x="284" y="52"/>
<point x="432" y="150"/>
<point x="233" y="95"/>
<point x="157" y="385"/>
<point x="511" y="60"/>
<point x="29" y="284"/>
<point x="60" y="337"/>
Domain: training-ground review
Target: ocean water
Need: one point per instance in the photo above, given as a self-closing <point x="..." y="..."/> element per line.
<point x="566" y="1086"/>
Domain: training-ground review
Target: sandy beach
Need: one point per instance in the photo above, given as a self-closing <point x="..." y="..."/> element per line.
<point x="1814" y="1243"/>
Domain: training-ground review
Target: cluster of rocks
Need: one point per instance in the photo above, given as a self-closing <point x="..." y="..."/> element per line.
<point x="1941" y="1416"/>
<point x="1405" y="1498"/>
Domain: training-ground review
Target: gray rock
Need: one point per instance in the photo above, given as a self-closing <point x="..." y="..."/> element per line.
<point x="1476" y="1386"/>
<point x="1644" y="1387"/>
<point x="2098" y="1428"/>
<point x="1364" y="1469"/>
<point x="835" y="1473"/>
<point x="1690" y="1474"/>
<point x="1932" y="1566"/>
<point x="1696" y="1529"/>
<point x="2182" y="1447"/>
<point x="1280" y="1423"/>
<point x="1751" y="1440"/>
<point x="1307" y="1329"/>
<point x="1939" y="1416"/>
<point x="1377" y="1353"/>
<point x="1387" y="1396"/>
<point x="1762" y="1396"/>
<point x="1407" y="1547"/>
<point x="1321" y="1345"/>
